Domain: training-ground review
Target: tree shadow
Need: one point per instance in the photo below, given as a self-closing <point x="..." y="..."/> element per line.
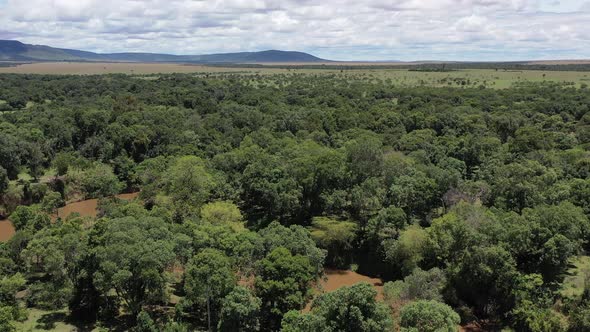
<point x="48" y="321"/>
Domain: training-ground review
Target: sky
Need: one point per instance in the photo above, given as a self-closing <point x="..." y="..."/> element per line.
<point x="371" y="30"/>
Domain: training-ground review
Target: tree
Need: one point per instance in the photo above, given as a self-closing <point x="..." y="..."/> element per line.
<point x="51" y="202"/>
<point x="282" y="283"/>
<point x="96" y="181"/>
<point x="365" y="157"/>
<point x="455" y="232"/>
<point x="484" y="279"/>
<point x="414" y="192"/>
<point x="336" y="237"/>
<point x="29" y="217"/>
<point x="55" y="254"/>
<point x="347" y="309"/>
<point x="145" y="323"/>
<point x="4" y="182"/>
<point x="295" y="321"/>
<point x="10" y="310"/>
<point x="11" y="153"/>
<point x="240" y="311"/>
<point x="428" y="316"/>
<point x="189" y="184"/>
<point x="133" y="256"/>
<point x="407" y="251"/>
<point x="209" y="278"/>
<point x="297" y="240"/>
<point x="420" y="285"/>
<point x="580" y="318"/>
<point x="223" y="213"/>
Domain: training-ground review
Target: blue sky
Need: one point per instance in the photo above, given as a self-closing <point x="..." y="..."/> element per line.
<point x="473" y="30"/>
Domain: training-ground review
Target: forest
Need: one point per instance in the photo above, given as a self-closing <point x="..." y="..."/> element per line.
<point x="471" y="204"/>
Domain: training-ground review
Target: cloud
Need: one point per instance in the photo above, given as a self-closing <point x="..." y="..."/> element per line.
<point x="335" y="29"/>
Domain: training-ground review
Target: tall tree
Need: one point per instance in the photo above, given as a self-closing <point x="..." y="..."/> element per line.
<point x="283" y="283"/>
<point x="209" y="277"/>
<point x="133" y="256"/>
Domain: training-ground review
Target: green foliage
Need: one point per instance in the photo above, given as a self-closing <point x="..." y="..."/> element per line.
<point x="294" y="321"/>
<point x="209" y="278"/>
<point x="420" y="285"/>
<point x="10" y="310"/>
<point x="489" y="186"/>
<point x="239" y="311"/>
<point x="407" y="251"/>
<point x="282" y="283"/>
<point x="189" y="184"/>
<point x="428" y="316"/>
<point x="580" y="319"/>
<point x="351" y="309"/>
<point x="297" y="240"/>
<point x="484" y="279"/>
<point x="96" y="181"/>
<point x="3" y="180"/>
<point x="132" y="257"/>
<point x="336" y="237"/>
<point x="55" y="254"/>
<point x="145" y="323"/>
<point x="51" y="202"/>
<point x="224" y="212"/>
<point x="29" y="218"/>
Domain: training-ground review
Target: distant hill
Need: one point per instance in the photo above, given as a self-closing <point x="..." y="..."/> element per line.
<point x="13" y="50"/>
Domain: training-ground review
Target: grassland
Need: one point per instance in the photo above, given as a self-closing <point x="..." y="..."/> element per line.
<point x="41" y="320"/>
<point x="498" y="79"/>
<point x="577" y="276"/>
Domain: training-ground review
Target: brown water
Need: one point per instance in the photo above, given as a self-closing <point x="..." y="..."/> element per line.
<point x="85" y="208"/>
<point x="6" y="230"/>
<point x="342" y="278"/>
<point x="88" y="207"/>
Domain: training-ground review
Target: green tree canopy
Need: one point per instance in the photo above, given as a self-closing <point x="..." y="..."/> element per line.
<point x="132" y="257"/>
<point x="351" y="309"/>
<point x="428" y="316"/>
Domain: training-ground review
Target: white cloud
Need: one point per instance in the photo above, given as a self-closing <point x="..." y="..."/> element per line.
<point x="336" y="29"/>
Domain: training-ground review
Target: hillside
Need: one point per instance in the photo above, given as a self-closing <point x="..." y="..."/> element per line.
<point x="13" y="50"/>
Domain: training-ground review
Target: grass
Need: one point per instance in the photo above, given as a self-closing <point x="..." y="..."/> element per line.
<point x="42" y="320"/>
<point x="490" y="78"/>
<point x="576" y="276"/>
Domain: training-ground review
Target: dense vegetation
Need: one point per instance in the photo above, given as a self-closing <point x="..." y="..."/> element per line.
<point x="470" y="202"/>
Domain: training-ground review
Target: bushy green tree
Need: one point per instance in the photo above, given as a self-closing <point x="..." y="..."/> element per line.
<point x="29" y="218"/>
<point x="420" y="285"/>
<point x="428" y="316"/>
<point x="94" y="182"/>
<point x="336" y="236"/>
<point x="55" y="254"/>
<point x="351" y="309"/>
<point x="223" y="213"/>
<point x="209" y="277"/>
<point x="240" y="311"/>
<point x="283" y="283"/>
<point x="132" y="257"/>
<point x="407" y="251"/>
<point x="189" y="184"/>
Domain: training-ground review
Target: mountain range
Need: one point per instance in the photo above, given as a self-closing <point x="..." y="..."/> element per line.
<point x="13" y="50"/>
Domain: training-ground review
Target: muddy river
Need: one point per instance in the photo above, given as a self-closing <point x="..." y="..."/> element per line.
<point x="85" y="208"/>
<point x="335" y="279"/>
<point x="6" y="230"/>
